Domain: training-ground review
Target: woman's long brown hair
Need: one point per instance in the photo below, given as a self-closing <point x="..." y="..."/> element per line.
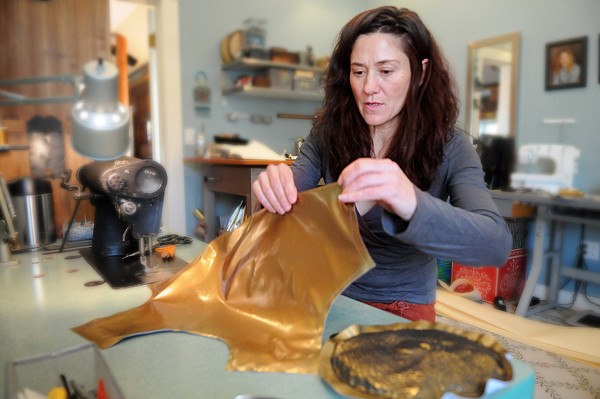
<point x="428" y="117"/>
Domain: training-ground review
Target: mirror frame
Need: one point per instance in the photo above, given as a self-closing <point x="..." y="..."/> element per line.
<point x="515" y="40"/>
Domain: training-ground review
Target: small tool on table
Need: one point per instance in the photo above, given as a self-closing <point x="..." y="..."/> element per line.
<point x="166" y="252"/>
<point x="165" y="246"/>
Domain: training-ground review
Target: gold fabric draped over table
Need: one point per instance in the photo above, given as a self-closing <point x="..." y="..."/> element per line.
<point x="264" y="289"/>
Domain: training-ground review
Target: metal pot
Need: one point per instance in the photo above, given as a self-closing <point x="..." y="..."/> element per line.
<point x="34" y="207"/>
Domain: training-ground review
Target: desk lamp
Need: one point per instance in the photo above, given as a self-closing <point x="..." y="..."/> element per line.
<point x="100" y="122"/>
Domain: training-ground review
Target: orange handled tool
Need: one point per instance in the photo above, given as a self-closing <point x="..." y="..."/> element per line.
<point x="166" y="252"/>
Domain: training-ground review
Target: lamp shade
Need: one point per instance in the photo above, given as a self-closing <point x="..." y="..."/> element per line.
<point x="100" y="122"/>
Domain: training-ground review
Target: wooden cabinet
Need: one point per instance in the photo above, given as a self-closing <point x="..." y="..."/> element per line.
<point x="228" y="179"/>
<point x="228" y="176"/>
<point x="42" y="39"/>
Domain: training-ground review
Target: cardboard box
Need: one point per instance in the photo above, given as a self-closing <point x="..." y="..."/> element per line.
<point x="507" y="281"/>
<point x="282" y="55"/>
<point x="276" y="78"/>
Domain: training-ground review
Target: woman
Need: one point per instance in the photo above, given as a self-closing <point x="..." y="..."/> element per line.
<point x="386" y="134"/>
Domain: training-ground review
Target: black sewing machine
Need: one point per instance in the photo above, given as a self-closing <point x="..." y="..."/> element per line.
<point x="128" y="195"/>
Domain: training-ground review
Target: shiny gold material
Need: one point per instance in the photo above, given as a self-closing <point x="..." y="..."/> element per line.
<point x="264" y="289"/>
<point x="419" y="360"/>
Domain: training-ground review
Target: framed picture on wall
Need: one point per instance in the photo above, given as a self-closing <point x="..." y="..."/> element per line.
<point x="566" y="64"/>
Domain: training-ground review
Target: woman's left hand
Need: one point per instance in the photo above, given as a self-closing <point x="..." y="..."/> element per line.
<point x="379" y="180"/>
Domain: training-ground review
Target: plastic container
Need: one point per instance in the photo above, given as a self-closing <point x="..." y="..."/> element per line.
<point x="82" y="366"/>
<point x="34" y="207"/>
<point x="255" y="38"/>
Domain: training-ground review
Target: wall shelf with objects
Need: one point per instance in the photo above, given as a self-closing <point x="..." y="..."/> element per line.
<point x="251" y="77"/>
<point x="256" y="63"/>
<point x="267" y="92"/>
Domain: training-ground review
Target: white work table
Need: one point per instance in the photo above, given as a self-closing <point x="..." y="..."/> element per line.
<point x="551" y="214"/>
<point x="44" y="296"/>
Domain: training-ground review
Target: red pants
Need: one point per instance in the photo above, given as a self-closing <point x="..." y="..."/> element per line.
<point x="410" y="311"/>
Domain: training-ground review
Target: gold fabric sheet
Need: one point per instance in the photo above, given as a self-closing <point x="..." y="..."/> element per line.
<point x="264" y="289"/>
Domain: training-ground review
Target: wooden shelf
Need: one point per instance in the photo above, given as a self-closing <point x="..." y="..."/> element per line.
<point x="255" y="63"/>
<point x="269" y="92"/>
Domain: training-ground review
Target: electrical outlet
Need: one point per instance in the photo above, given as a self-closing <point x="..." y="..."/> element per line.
<point x="592" y="250"/>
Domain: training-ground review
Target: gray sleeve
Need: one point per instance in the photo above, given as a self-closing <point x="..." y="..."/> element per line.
<point x="467" y="228"/>
<point x="308" y="168"/>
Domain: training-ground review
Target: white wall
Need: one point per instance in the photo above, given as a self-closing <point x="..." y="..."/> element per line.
<point x="293" y="25"/>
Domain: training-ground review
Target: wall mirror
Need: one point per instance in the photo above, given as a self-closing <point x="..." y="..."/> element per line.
<point x="492" y="79"/>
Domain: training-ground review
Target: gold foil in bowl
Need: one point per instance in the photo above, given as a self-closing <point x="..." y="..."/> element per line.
<point x="419" y="360"/>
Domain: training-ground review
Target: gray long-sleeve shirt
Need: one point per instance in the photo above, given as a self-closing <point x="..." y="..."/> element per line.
<point x="456" y="220"/>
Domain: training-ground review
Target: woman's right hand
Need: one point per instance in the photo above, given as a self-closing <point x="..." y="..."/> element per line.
<point x="275" y="188"/>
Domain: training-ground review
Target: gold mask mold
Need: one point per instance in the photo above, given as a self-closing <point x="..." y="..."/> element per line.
<point x="263" y="289"/>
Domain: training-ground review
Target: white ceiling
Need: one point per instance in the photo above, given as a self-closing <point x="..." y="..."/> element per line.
<point x="119" y="11"/>
<point x="130" y="19"/>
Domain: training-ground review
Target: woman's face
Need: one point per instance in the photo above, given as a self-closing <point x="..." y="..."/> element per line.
<point x="565" y="59"/>
<point x="380" y="77"/>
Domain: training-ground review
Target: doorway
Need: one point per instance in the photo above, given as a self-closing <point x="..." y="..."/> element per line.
<point x="165" y="104"/>
<point x="132" y="20"/>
